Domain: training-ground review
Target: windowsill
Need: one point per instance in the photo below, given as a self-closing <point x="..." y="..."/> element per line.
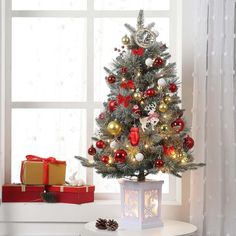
<point x="59" y="212"/>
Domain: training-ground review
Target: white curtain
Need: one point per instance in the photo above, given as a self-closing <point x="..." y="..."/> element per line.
<point x="213" y="188"/>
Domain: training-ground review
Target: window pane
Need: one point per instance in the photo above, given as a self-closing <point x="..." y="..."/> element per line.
<point x="48" y="4"/>
<point x="131" y="5"/>
<point x="60" y="133"/>
<point x="107" y="36"/>
<point x="48" y="59"/>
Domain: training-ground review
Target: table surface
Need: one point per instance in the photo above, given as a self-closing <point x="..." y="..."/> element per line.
<point x="170" y="228"/>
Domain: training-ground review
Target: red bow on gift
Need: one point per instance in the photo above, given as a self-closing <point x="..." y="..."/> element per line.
<point x="138" y="51"/>
<point x="124" y="99"/>
<point x="48" y="160"/>
<point x="128" y="85"/>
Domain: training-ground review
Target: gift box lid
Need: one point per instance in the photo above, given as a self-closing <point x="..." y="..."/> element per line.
<point x="22" y="188"/>
<point x="71" y="189"/>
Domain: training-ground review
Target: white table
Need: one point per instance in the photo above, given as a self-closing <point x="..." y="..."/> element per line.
<point x="170" y="228"/>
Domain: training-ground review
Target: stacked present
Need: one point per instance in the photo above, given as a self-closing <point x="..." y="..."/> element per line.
<point x="43" y="179"/>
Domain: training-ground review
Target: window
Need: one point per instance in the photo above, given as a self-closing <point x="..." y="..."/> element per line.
<point x="56" y="50"/>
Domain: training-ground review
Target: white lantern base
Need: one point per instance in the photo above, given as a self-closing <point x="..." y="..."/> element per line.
<point x="141" y="204"/>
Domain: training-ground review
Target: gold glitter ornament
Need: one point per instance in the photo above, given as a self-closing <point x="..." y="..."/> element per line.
<point x="114" y="128"/>
<point x="138" y="96"/>
<point x="167" y="99"/>
<point x="163" y="107"/>
<point x="164" y="128"/>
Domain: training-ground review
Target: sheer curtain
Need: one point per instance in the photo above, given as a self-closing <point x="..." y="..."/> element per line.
<point x="213" y="188"/>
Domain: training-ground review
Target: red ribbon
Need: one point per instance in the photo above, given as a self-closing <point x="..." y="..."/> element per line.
<point x="128" y="85"/>
<point x="138" y="51"/>
<point x="124" y="99"/>
<point x="45" y="161"/>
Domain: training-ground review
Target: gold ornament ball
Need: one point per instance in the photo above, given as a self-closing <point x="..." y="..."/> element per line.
<point x="164" y="128"/>
<point x="167" y="99"/>
<point x="163" y="107"/>
<point x="114" y="128"/>
<point x="125" y="40"/>
<point x="138" y="96"/>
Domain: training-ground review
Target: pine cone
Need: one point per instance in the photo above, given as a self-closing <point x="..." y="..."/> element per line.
<point x="112" y="225"/>
<point x="101" y="223"/>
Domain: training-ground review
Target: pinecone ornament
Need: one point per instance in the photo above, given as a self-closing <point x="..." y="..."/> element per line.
<point x="101" y="223"/>
<point x="112" y="225"/>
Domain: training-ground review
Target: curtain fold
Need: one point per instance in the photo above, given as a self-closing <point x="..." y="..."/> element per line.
<point x="213" y="188"/>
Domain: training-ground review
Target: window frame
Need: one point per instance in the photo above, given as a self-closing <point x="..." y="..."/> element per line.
<point x="174" y="196"/>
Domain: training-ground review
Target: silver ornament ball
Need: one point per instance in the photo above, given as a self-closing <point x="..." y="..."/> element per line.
<point x="139" y="156"/>
<point x="161" y="82"/>
<point x="114" y="145"/>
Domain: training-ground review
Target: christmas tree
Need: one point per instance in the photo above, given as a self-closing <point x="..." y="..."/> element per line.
<point x="141" y="130"/>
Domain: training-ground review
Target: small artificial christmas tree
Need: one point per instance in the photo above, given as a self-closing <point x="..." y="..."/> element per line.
<point x="142" y="130"/>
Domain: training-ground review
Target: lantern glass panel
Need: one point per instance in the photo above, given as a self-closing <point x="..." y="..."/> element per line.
<point x="131" y="203"/>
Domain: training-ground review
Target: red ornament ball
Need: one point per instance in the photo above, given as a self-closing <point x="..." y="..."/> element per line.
<point x="102" y="116"/>
<point x="159" y="163"/>
<point x="120" y="155"/>
<point x="92" y="151"/>
<point x="173" y="87"/>
<point x="123" y="70"/>
<point x="150" y="92"/>
<point x="100" y="144"/>
<point x="136" y="110"/>
<point x="158" y="62"/>
<point x="178" y="125"/>
<point x="168" y="150"/>
<point x="112" y="105"/>
<point x="105" y="159"/>
<point x="188" y="142"/>
<point x="111" y="79"/>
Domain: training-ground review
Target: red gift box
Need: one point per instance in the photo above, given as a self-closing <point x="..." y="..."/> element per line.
<point x="72" y="194"/>
<point x="22" y="193"/>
